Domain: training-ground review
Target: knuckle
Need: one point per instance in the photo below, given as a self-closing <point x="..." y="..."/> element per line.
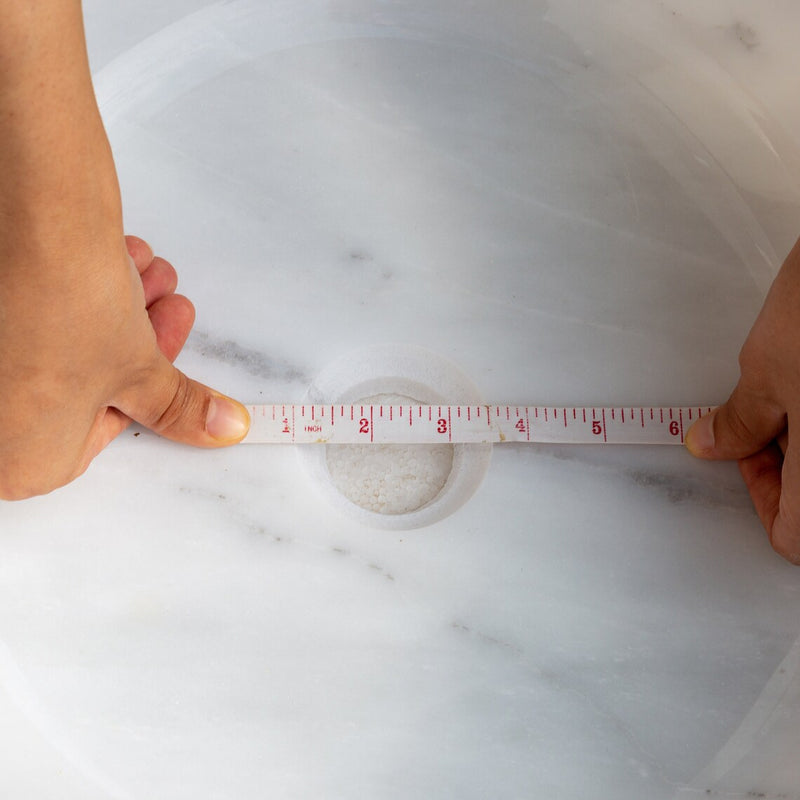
<point x="749" y="421"/>
<point x="182" y="402"/>
<point x="737" y="424"/>
<point x="758" y="368"/>
<point x="754" y="358"/>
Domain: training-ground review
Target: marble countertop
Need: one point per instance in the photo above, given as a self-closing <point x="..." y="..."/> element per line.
<point x="576" y="206"/>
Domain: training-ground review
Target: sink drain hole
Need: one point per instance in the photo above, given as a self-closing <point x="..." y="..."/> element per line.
<point x="390" y="478"/>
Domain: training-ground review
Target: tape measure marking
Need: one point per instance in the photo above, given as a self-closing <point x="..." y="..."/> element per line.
<point x="468" y="424"/>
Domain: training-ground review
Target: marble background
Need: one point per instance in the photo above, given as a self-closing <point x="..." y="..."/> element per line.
<point x="577" y="204"/>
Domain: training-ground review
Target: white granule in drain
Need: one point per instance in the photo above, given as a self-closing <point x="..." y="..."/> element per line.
<point x="390" y="478"/>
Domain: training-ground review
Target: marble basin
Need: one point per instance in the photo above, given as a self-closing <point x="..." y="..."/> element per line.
<point x="576" y="204"/>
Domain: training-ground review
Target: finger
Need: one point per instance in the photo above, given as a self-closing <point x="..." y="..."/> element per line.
<point x="172" y="318"/>
<point x="739" y="428"/>
<point x="158" y="276"/>
<point x="140" y="252"/>
<point x="178" y="408"/>
<point x="158" y="279"/>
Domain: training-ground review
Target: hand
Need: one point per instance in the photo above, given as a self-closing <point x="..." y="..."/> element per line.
<point x="760" y="423"/>
<point x="78" y="370"/>
<point x="87" y="333"/>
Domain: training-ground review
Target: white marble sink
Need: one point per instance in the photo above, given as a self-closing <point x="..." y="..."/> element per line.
<point x="577" y="204"/>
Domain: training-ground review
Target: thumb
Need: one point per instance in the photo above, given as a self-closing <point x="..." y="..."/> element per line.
<point x="186" y="411"/>
<point x="744" y="425"/>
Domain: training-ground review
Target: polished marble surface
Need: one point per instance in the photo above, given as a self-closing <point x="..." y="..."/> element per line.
<point x="576" y="204"/>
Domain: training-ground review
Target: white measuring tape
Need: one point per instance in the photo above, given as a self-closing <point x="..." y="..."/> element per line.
<point x="474" y="424"/>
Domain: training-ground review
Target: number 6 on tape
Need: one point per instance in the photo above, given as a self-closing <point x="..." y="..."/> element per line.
<point x="429" y="424"/>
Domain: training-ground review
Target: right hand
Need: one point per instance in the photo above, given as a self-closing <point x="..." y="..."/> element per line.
<point x="760" y="423"/>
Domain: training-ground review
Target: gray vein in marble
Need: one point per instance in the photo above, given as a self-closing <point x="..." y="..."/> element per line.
<point x="491" y="640"/>
<point x="254" y="362"/>
<point x="556" y="676"/>
<point x="559" y="679"/>
<point x="681" y="489"/>
<point x="677" y="489"/>
<point x="746" y="35"/>
<point x="253" y="527"/>
<point x="246" y="523"/>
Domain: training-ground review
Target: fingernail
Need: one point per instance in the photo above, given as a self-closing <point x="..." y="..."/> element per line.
<point x="700" y="437"/>
<point x="226" y="420"/>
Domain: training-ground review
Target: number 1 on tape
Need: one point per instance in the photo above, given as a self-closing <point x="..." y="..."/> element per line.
<point x="476" y="424"/>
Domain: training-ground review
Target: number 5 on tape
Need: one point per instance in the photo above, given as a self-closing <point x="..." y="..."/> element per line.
<point x="429" y="424"/>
